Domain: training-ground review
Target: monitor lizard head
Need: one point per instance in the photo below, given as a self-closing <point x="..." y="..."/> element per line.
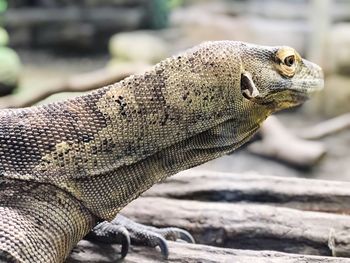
<point x="277" y="77"/>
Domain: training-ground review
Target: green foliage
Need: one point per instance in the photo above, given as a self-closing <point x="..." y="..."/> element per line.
<point x="4" y="37"/>
<point x="175" y="3"/>
<point x="10" y="66"/>
<point x="157" y="13"/>
<point x="3" y="6"/>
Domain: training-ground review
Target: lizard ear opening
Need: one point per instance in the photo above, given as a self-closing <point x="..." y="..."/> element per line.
<point x="248" y="88"/>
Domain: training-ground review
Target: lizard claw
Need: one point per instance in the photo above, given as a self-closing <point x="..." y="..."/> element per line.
<point x="164" y="249"/>
<point x="174" y="233"/>
<point x="185" y="235"/>
<point x="106" y="232"/>
<point x="125" y="244"/>
<point x="123" y="230"/>
<point x="152" y="239"/>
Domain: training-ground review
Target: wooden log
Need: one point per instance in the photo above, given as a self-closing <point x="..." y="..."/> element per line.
<point x="189" y="253"/>
<point x="248" y="226"/>
<point x="303" y="194"/>
<point x="122" y="17"/>
<point x="279" y="143"/>
<point x="327" y="127"/>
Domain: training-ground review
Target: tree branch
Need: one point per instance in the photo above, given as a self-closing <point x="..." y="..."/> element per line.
<point x="79" y="83"/>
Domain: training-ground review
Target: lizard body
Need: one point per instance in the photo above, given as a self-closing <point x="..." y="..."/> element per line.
<point x="66" y="165"/>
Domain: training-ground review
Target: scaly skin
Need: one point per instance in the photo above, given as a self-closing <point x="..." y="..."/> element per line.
<point x="65" y="166"/>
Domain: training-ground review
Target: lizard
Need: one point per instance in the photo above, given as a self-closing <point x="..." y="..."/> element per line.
<point x="67" y="166"/>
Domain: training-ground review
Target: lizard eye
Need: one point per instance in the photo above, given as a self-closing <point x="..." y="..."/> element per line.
<point x="287" y="61"/>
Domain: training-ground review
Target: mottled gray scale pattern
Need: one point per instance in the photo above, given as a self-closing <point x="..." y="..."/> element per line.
<point x="65" y="165"/>
<point x="38" y="222"/>
<point x="27" y="135"/>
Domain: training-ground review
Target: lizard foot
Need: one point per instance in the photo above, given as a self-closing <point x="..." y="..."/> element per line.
<point x="124" y="231"/>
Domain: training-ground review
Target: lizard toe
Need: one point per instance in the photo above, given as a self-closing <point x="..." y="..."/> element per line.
<point x="152" y="236"/>
<point x="106" y="232"/>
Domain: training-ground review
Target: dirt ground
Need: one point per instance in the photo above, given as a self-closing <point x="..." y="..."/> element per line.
<point x="44" y="69"/>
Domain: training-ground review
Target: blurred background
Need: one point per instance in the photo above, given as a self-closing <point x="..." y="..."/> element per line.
<point x="54" y="49"/>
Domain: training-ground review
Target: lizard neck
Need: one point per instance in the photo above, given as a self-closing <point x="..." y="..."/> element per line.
<point x="122" y="185"/>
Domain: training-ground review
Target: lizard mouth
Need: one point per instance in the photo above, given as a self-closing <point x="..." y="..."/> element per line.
<point x="306" y="85"/>
<point x="300" y="92"/>
<point x="309" y="87"/>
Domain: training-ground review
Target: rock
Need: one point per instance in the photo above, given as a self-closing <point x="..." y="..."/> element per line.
<point x="138" y="46"/>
